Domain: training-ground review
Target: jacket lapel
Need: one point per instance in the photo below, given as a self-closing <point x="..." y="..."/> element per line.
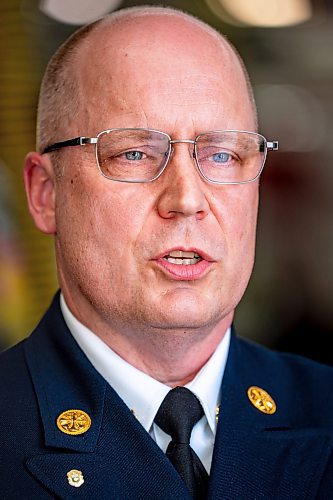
<point x="116" y="457"/>
<point x="125" y="464"/>
<point x="260" y="455"/>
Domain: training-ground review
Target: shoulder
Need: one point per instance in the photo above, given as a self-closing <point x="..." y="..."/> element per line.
<point x="16" y="389"/>
<point x="12" y="365"/>
<point x="302" y="386"/>
<point x="15" y="378"/>
<point x="292" y="365"/>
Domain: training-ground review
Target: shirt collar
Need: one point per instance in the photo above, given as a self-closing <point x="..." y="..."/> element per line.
<point x="140" y="392"/>
<point x="206" y="385"/>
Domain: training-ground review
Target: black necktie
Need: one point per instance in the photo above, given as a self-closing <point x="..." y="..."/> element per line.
<point x="179" y="412"/>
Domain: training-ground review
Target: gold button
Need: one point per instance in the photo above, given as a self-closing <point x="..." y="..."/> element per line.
<point x="261" y="400"/>
<point x="73" y="422"/>
<point x="217" y="413"/>
<point x="75" y="478"/>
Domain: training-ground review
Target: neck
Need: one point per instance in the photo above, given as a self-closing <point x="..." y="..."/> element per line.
<point x="171" y="356"/>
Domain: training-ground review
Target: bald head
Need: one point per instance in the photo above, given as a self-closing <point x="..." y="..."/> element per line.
<point x="129" y="46"/>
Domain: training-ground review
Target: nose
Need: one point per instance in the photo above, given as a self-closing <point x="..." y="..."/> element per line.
<point x="183" y="189"/>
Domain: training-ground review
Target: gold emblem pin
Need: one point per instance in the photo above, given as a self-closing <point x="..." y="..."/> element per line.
<point x="261" y="400"/>
<point x="73" y="422"/>
<point x="75" y="478"/>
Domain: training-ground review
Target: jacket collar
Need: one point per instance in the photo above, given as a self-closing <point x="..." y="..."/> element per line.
<point x="64" y="379"/>
<point x="116" y="456"/>
<point x="256" y="455"/>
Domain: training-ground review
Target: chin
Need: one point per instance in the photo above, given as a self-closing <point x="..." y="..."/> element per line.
<point x="194" y="309"/>
<point x="187" y="316"/>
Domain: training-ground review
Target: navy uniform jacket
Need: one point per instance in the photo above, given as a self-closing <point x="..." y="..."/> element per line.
<point x="286" y="455"/>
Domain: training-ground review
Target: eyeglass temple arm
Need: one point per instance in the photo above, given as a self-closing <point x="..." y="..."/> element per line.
<point x="273" y="145"/>
<point x="77" y="141"/>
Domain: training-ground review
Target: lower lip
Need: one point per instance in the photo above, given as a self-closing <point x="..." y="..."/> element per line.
<point x="181" y="272"/>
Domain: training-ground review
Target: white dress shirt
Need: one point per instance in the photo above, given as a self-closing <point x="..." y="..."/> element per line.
<point x="144" y="395"/>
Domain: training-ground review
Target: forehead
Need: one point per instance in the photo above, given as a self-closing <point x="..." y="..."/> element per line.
<point x="143" y="64"/>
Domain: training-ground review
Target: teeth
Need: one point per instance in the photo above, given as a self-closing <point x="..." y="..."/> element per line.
<point x="183" y="262"/>
<point x="179" y="254"/>
<point x="182" y="258"/>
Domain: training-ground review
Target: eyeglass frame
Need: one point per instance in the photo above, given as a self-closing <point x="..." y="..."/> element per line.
<point x="82" y="141"/>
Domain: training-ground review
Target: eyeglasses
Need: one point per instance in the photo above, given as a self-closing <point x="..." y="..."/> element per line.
<point x="141" y="155"/>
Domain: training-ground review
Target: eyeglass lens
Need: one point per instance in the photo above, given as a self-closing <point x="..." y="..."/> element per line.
<point x="140" y="155"/>
<point x="132" y="154"/>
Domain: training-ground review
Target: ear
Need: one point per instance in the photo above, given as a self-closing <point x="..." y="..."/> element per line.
<point x="40" y="190"/>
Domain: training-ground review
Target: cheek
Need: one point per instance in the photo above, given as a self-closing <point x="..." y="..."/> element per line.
<point x="238" y="219"/>
<point x="104" y="222"/>
<point x="247" y="223"/>
<point x="119" y="217"/>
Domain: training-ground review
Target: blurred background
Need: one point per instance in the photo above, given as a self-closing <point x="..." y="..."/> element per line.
<point x="288" y="49"/>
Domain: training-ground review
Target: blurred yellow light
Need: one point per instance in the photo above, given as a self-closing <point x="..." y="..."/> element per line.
<point x="272" y="13"/>
<point x="77" y="12"/>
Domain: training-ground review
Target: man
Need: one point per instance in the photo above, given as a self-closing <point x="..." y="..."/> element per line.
<point x="133" y="386"/>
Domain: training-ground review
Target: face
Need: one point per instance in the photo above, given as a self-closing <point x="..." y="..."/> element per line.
<point x="123" y="249"/>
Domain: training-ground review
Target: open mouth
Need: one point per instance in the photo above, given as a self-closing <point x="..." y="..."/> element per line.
<point x="182" y="258"/>
<point x="184" y="265"/>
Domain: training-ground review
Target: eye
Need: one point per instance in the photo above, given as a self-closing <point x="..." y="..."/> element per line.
<point x="134" y="155"/>
<point x="221" y="157"/>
